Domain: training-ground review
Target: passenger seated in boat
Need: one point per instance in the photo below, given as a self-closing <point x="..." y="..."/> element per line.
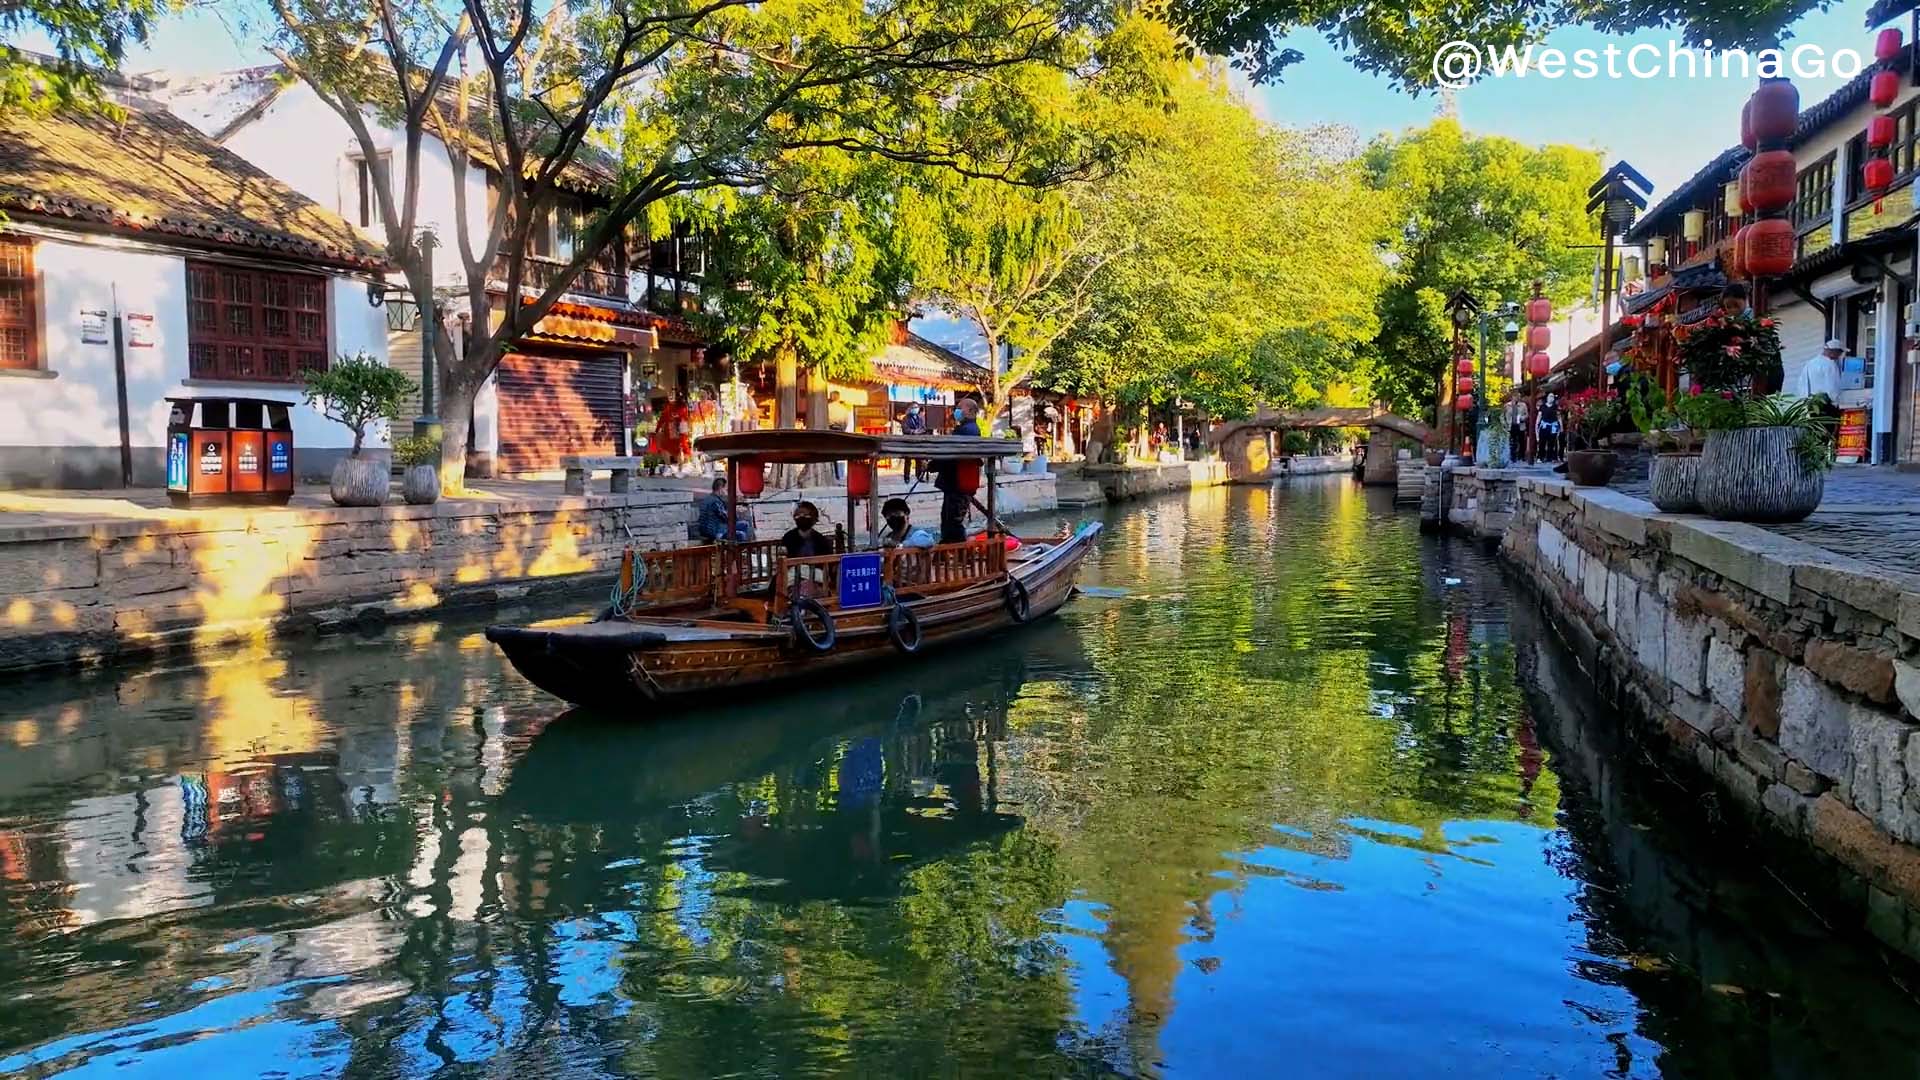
<point x="803" y="540"/>
<point x="899" y="532"/>
<point x="713" y="517"/>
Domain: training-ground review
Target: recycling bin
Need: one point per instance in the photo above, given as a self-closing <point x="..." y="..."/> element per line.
<point x="225" y="451"/>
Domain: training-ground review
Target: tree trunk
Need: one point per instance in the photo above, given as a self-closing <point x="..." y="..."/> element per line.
<point x="456" y="418"/>
<point x="786" y="385"/>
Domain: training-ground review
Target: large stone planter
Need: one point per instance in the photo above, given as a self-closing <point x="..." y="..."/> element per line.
<point x="1675" y="483"/>
<point x="1753" y="474"/>
<point x="421" y="485"/>
<point x="1591" y="468"/>
<point x="359" y="481"/>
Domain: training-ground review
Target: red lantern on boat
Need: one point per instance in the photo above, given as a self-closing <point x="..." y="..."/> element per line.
<point x="1769" y="247"/>
<point x="1463" y="403"/>
<point x="966" y="475"/>
<point x="1776" y="110"/>
<point x="1539" y="310"/>
<point x="1884" y="88"/>
<point x="751" y="477"/>
<point x="1880" y="131"/>
<point x="1768" y="182"/>
<point x="860" y="479"/>
<point x="1877" y="174"/>
<point x="1746" y="126"/>
<point x="1539" y="337"/>
<point x="1463" y="367"/>
<point x="1737" y="253"/>
<point x="1466" y="384"/>
<point x="1539" y="364"/>
<point x="1886" y="44"/>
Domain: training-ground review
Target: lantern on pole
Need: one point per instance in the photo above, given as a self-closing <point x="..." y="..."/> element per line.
<point x="1764" y="248"/>
<point x="1693" y="226"/>
<point x="1657" y="251"/>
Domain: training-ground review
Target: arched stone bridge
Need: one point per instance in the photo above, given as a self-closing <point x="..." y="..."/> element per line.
<point x="1242" y="444"/>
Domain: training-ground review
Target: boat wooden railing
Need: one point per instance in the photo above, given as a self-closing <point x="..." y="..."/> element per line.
<point x="818" y="576"/>
<point x="755" y="562"/>
<point x="946" y="566"/>
<point x="679" y="574"/>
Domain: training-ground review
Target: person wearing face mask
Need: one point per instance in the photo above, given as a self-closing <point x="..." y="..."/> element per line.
<point x="900" y="531"/>
<point x="803" y="540"/>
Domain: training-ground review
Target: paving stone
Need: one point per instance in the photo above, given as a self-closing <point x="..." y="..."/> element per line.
<point x="1814" y="723"/>
<point x="1869" y="674"/>
<point x="1726" y="676"/>
<point x="1733" y="551"/>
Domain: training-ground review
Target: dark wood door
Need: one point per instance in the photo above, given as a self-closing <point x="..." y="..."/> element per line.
<point x="554" y="405"/>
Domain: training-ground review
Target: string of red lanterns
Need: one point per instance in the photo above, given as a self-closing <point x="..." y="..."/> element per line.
<point x="1769" y="183"/>
<point x="1876" y="173"/>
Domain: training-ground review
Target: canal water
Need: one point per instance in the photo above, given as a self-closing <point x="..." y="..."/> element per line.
<point x="1293" y="791"/>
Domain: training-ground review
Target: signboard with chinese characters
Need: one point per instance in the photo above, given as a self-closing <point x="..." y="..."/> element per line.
<point x="93" y="327"/>
<point x="860" y="580"/>
<point x="139" y="331"/>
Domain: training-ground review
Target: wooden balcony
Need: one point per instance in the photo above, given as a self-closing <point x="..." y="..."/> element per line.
<point x="595" y="280"/>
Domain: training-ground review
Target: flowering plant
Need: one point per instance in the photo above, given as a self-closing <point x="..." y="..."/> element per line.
<point x="1728" y="352"/>
<point x="1677" y="421"/>
<point x="1589" y="414"/>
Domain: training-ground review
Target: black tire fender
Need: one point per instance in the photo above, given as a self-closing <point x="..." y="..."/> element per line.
<point x="903" y="626"/>
<point x="1019" y="604"/>
<point x="797" y="620"/>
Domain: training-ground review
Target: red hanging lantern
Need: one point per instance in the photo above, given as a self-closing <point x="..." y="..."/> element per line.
<point x="1539" y="337"/>
<point x="1464" y="367"/>
<point x="859" y="479"/>
<point x="1463" y="403"/>
<point x="1769" y="247"/>
<point x="1884" y="88"/>
<point x="1736" y="265"/>
<point x="1880" y="131"/>
<point x="751" y="476"/>
<point x="1877" y="174"/>
<point x="1466" y="384"/>
<point x="1539" y="310"/>
<point x="1746" y="126"/>
<point x="1886" y="44"/>
<point x="1539" y="364"/>
<point x="1776" y="110"/>
<point x="1769" y="181"/>
<point x="966" y="475"/>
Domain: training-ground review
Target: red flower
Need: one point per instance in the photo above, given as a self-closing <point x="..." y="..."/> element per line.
<point x="1694" y="390"/>
<point x="1733" y="350"/>
<point x="1728" y="394"/>
<point x="1768" y="323"/>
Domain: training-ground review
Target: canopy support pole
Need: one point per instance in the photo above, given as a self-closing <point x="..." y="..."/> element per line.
<point x="873" y="504"/>
<point x="993" y="487"/>
<point x="731" y="555"/>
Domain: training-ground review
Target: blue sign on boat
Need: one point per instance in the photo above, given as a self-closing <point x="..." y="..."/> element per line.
<point x="177" y="462"/>
<point x="860" y="580"/>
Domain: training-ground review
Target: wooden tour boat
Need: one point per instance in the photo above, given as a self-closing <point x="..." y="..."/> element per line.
<point x="732" y="615"/>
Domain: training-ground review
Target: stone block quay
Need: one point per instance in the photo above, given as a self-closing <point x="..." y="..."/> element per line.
<point x="1785" y="675"/>
<point x="90" y="578"/>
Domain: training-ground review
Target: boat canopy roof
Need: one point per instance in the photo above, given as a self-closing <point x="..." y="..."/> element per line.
<point x="801" y="446"/>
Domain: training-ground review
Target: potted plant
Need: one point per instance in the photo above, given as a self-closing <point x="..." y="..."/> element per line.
<point x="1674" y="440"/>
<point x="419" y="456"/>
<point x="1587" y="416"/>
<point x="1768" y="465"/>
<point x="1434" y="453"/>
<point x="358" y="391"/>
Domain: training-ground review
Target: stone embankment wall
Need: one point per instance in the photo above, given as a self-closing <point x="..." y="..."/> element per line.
<point x="1480" y="501"/>
<point x="1132" y="481"/>
<point x="1784" y="673"/>
<point x="80" y="592"/>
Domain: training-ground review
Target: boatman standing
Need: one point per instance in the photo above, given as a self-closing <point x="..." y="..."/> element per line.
<point x="953" y="501"/>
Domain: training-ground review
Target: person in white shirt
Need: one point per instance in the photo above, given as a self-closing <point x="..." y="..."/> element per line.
<point x="1820" y="375"/>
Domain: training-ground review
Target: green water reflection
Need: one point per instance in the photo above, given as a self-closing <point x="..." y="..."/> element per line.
<point x="1304" y="793"/>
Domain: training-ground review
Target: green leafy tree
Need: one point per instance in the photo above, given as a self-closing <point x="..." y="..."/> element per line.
<point x="1481" y="213"/>
<point x="87" y="35"/>
<point x="1249" y="281"/>
<point x="1399" y="42"/>
<point x="640" y="102"/>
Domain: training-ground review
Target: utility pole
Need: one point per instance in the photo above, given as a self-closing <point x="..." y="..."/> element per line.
<point x="1619" y="196"/>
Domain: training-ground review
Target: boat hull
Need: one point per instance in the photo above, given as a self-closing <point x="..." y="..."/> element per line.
<point x="613" y="667"/>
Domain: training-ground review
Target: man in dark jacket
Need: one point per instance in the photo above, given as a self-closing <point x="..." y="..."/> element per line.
<point x="953" y="502"/>
<point x="713" y="517"/>
<point x="913" y="422"/>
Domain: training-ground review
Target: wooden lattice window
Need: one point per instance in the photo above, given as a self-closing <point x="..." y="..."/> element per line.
<point x="19" y="306"/>
<point x="254" y="325"/>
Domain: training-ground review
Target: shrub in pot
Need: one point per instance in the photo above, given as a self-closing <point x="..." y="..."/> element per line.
<point x="1770" y="468"/>
<point x="1587" y="416"/>
<point x="357" y="392"/>
<point x="419" y="458"/>
<point x="1671" y="427"/>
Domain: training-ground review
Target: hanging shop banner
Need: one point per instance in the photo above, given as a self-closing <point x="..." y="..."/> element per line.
<point x="139" y="331"/>
<point x="93" y="327"/>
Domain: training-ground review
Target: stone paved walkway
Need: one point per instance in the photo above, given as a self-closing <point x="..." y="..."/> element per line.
<point x="1871" y="513"/>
